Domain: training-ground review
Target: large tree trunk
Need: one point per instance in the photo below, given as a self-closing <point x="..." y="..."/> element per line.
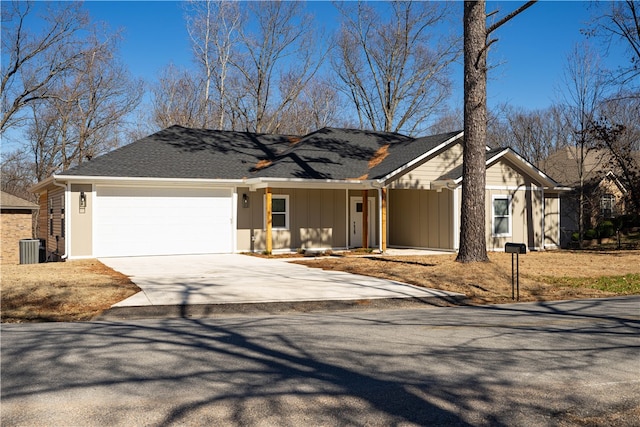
<point x="473" y="247"/>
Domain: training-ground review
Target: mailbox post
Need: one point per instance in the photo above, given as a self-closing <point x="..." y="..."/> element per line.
<point x="515" y="249"/>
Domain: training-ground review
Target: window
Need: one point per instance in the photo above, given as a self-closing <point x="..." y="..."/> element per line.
<point x="607" y="205"/>
<point x="501" y="216"/>
<point x="62" y="228"/>
<point x="279" y="212"/>
<point x="50" y="217"/>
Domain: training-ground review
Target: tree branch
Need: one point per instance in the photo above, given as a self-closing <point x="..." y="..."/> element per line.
<point x="507" y="18"/>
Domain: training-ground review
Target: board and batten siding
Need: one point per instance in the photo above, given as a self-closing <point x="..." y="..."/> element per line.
<point x="317" y="219"/>
<point x="504" y="179"/>
<point x="50" y="220"/>
<point x="81" y="225"/>
<point x="421" y="176"/>
<point x="420" y="219"/>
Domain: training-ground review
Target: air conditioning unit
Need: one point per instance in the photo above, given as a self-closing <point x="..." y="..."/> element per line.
<point x="29" y="251"/>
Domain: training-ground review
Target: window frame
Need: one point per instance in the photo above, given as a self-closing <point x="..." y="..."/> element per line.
<point x="611" y="200"/>
<point x="509" y="215"/>
<point x="287" y="211"/>
<point x="62" y="217"/>
<point x="50" y="213"/>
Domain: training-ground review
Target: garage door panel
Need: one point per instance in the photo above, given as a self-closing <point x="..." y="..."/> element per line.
<point x="162" y="221"/>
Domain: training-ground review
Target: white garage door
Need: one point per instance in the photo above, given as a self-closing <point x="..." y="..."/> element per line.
<point x="162" y="221"/>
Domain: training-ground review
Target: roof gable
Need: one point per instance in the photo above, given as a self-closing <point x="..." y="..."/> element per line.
<point x="493" y="155"/>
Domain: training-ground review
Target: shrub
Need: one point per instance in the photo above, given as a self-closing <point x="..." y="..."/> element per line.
<point x="575" y="236"/>
<point x="606" y="229"/>
<point x="590" y="234"/>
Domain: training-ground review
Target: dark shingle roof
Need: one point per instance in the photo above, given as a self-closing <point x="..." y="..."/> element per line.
<point x="178" y="152"/>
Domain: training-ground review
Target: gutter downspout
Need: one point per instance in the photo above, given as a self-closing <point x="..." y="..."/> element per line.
<point x="66" y="223"/>
<point x="380" y="220"/>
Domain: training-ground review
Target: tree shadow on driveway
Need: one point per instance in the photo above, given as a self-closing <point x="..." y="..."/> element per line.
<point x="454" y="366"/>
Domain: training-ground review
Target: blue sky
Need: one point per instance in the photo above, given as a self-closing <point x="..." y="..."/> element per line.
<point x="530" y="54"/>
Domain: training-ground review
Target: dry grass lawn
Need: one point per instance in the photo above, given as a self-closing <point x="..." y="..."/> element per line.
<point x="63" y="291"/>
<point x="80" y="290"/>
<point x="544" y="276"/>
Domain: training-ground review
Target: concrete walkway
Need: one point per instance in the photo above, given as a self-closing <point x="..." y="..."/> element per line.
<point x="233" y="279"/>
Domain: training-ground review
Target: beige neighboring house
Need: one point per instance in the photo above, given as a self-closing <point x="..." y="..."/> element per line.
<point x="16" y="223"/>
<point x="604" y="194"/>
<point x="190" y="191"/>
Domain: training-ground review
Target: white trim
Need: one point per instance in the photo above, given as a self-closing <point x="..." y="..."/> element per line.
<point x="513" y="188"/>
<point x="456" y="220"/>
<point x="67" y="190"/>
<point x="234" y="220"/>
<point x="347" y="216"/>
<point x="523" y="160"/>
<point x="509" y="233"/>
<point x="94" y="199"/>
<point x="544" y="213"/>
<point x="287" y="212"/>
<point x="380" y="219"/>
<point x="115" y="180"/>
<point x="336" y="184"/>
<point x="421" y="157"/>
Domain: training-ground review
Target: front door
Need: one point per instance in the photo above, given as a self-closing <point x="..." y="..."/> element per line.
<point x="355" y="226"/>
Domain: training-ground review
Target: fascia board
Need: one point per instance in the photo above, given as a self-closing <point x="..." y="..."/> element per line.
<point x="508" y="152"/>
<point x="260" y="183"/>
<point x="42" y="184"/>
<point x="124" y="180"/>
<point x="391" y="176"/>
<point x="614" y="177"/>
<point x="532" y="167"/>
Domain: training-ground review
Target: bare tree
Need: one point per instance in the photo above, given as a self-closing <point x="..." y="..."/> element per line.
<point x="77" y="114"/>
<point x="534" y="134"/>
<point x="584" y="91"/>
<point x="317" y="106"/>
<point x="473" y="246"/>
<point x="394" y="70"/>
<point x="617" y="133"/>
<point x="214" y="30"/>
<point x="16" y="174"/>
<point x="448" y="121"/>
<point x="277" y="60"/>
<point x="31" y="63"/>
<point x="620" y="23"/>
<point x="176" y="99"/>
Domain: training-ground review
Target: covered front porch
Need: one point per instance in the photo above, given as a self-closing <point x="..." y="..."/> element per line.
<point x="276" y="219"/>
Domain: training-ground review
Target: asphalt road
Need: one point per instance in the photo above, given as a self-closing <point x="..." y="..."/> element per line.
<point x="524" y="364"/>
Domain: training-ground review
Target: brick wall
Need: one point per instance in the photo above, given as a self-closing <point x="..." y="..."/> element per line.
<point x="15" y="225"/>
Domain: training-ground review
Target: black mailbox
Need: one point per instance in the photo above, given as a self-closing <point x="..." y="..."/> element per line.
<point x="515" y="248"/>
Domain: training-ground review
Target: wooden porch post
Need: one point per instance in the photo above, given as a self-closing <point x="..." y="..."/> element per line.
<point x="269" y="242"/>
<point x="365" y="218"/>
<point x="383" y="219"/>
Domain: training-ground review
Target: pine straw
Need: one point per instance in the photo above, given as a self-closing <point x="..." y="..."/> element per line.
<point x="544" y="276"/>
<point x="63" y="291"/>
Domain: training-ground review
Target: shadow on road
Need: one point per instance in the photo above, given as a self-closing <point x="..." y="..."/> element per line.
<point x="419" y="367"/>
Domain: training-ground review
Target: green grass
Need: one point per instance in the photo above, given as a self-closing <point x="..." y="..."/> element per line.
<point x="627" y="284"/>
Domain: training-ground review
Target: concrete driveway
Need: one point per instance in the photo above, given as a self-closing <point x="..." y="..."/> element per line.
<point x="233" y="278"/>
